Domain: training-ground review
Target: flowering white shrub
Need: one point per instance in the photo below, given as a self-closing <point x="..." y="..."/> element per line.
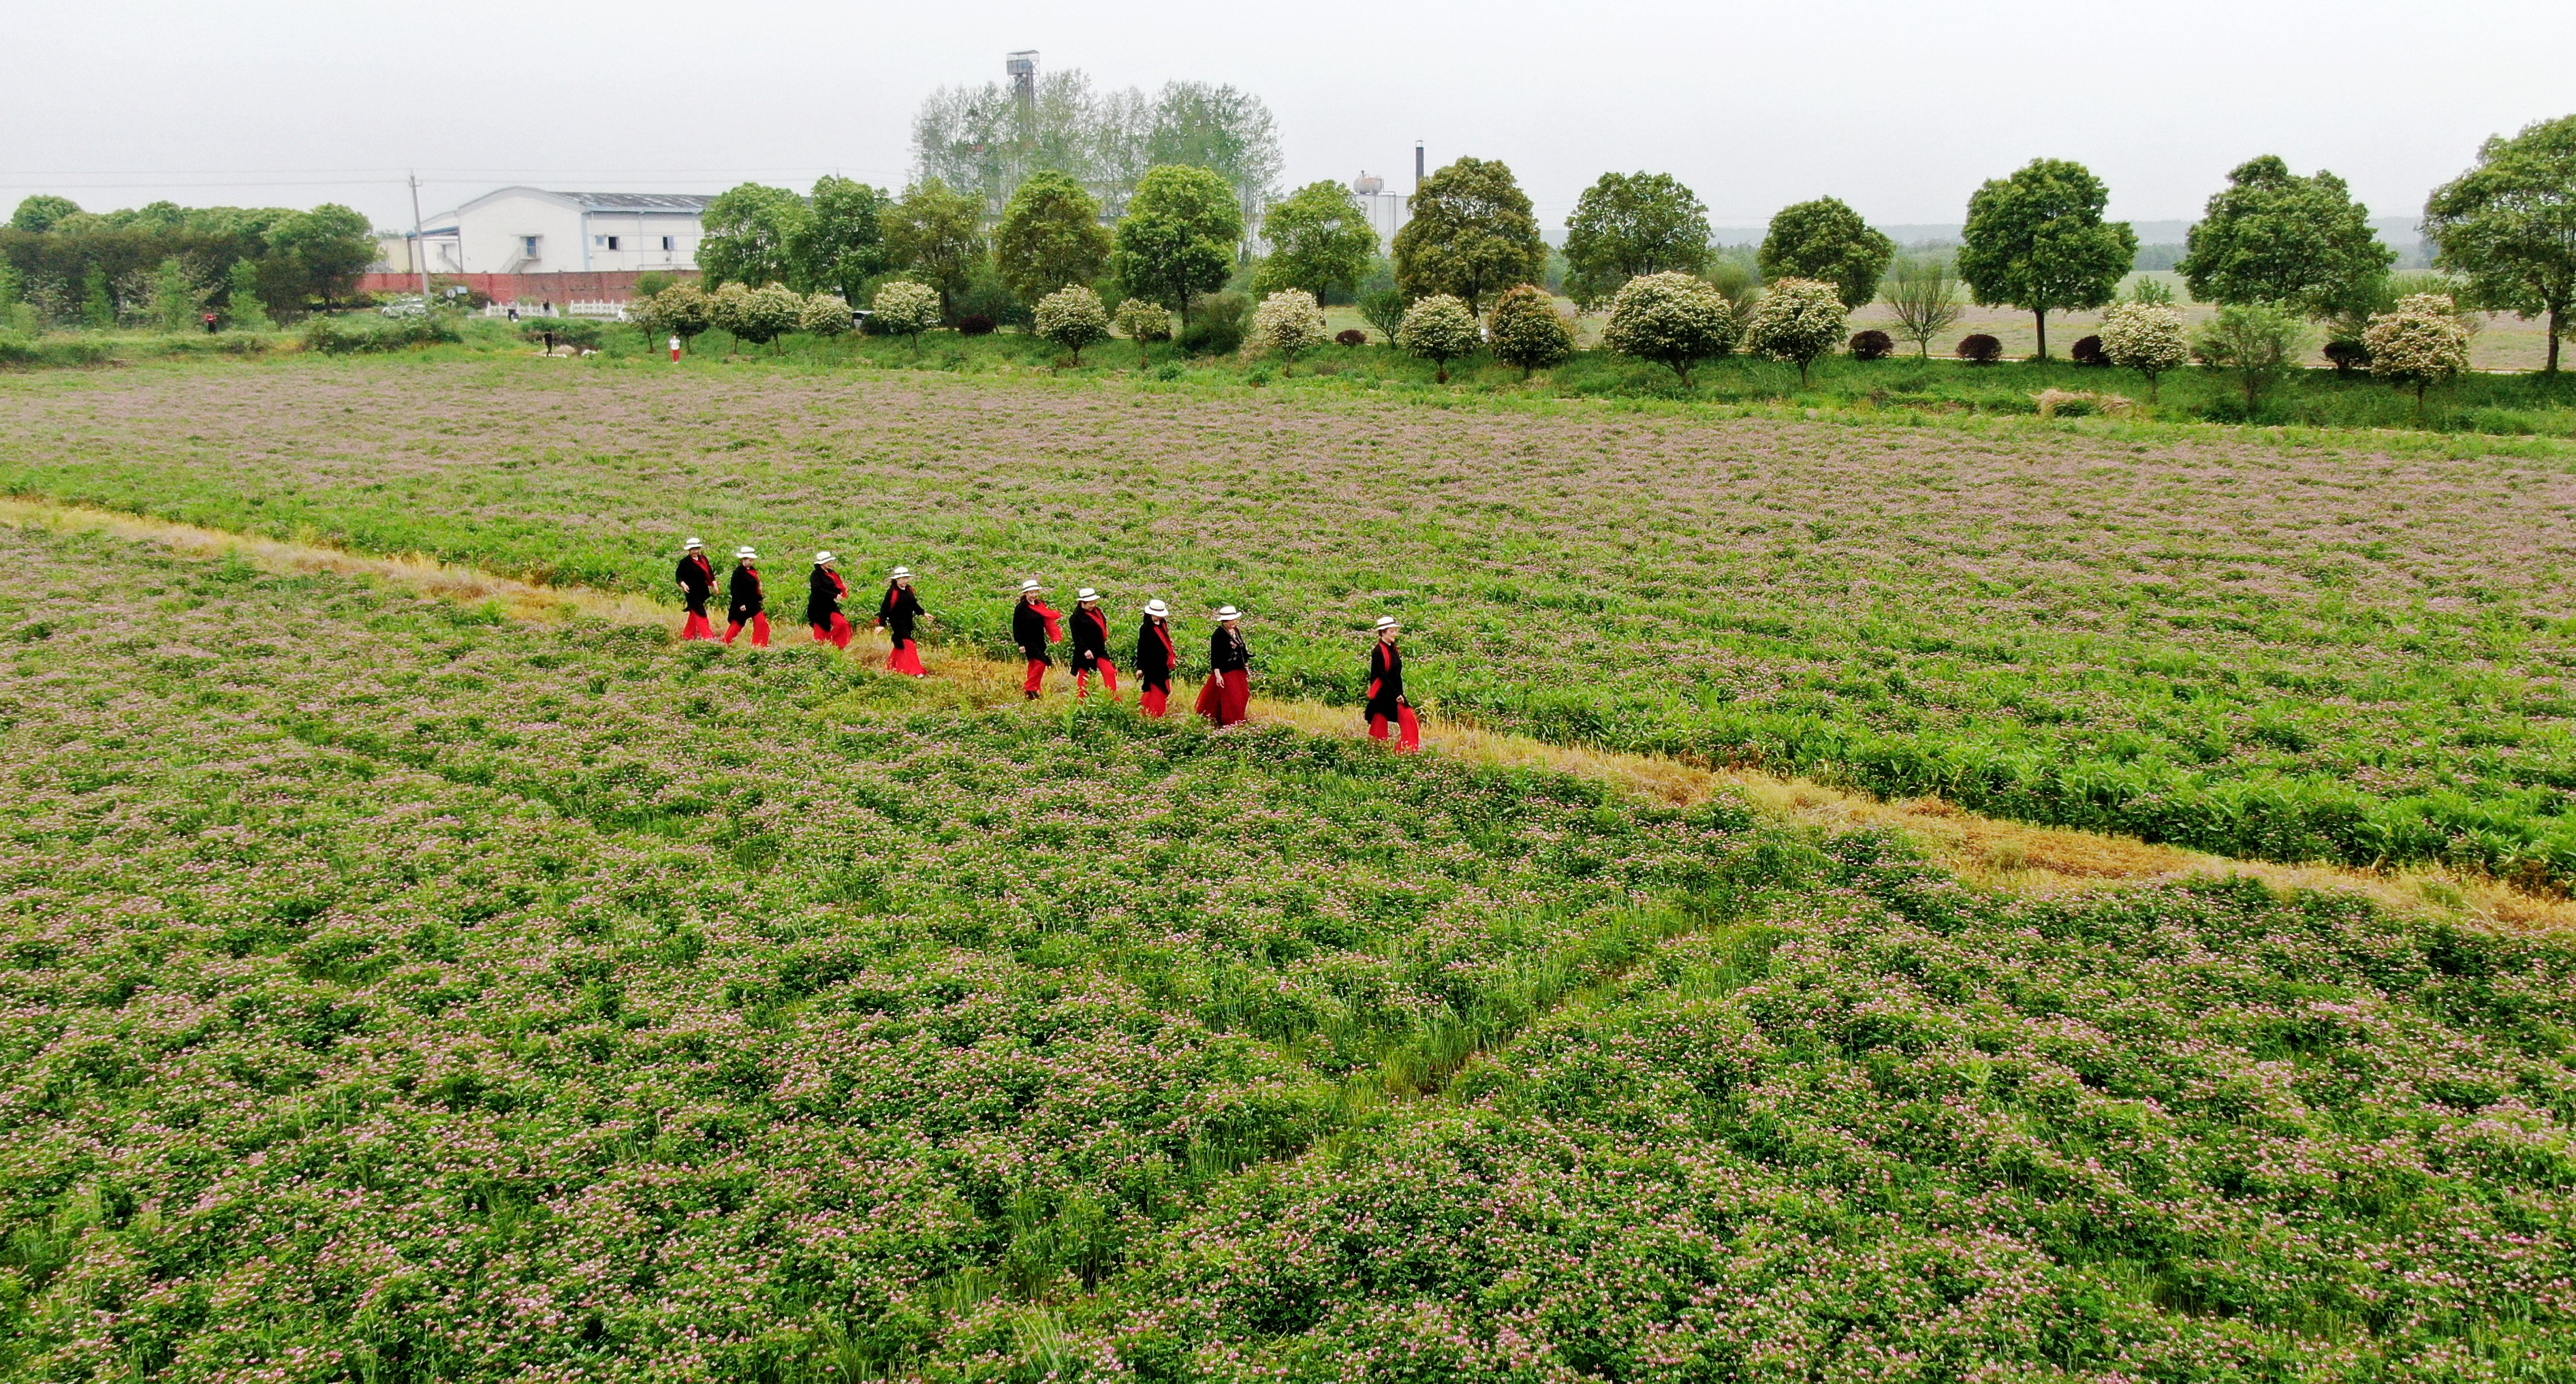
<point x="1072" y="317"/>
<point x="1287" y="322"/>
<point x="2421" y="342"/>
<point x="1526" y="330"/>
<point x="824" y="314"/>
<point x="1797" y="321"/>
<point x="2145" y="337"/>
<point x="905" y="308"/>
<point x="678" y="310"/>
<point x="1439" y="329"/>
<point x="1672" y="317"/>
<point x="1143" y="319"/>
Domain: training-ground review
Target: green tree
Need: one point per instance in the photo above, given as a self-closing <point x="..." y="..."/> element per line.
<point x="1320" y="240"/>
<point x="1384" y="309"/>
<point x="1439" y="329"/>
<point x="1050" y="236"/>
<point x="2257" y="341"/>
<point x="1627" y="224"/>
<point x="2037" y="241"/>
<point x="682" y="309"/>
<point x="2509" y="227"/>
<point x="937" y="234"/>
<point x="1923" y="295"/>
<point x="1674" y="318"/>
<point x="244" y="309"/>
<point x="324" y="250"/>
<point x="98" y="305"/>
<point x="1526" y="330"/>
<point x="1178" y="237"/>
<point x="751" y="231"/>
<point x="38" y="214"/>
<point x="905" y="308"/>
<point x="2273" y="237"/>
<point x="176" y="299"/>
<point x="838" y="245"/>
<point x="1798" y="320"/>
<point x="1145" y="322"/>
<point x="1824" y="239"/>
<point x="1471" y="236"/>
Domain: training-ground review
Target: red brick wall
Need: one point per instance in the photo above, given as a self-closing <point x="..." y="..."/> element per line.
<point x="568" y="286"/>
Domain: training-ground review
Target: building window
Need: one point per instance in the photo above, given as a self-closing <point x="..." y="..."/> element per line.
<point x="608" y="240"/>
<point x="670" y="242"/>
<point x="528" y="246"/>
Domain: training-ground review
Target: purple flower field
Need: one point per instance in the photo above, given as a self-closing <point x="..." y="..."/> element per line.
<point x="390" y="992"/>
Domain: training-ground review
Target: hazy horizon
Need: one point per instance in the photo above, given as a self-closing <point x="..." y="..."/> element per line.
<point x="1899" y="111"/>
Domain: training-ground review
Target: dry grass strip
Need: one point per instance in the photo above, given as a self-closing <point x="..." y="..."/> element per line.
<point x="2010" y="856"/>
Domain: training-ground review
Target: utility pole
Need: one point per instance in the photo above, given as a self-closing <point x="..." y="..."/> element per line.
<point x="419" y="245"/>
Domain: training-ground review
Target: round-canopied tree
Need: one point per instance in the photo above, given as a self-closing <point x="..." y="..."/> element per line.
<point x="758" y="315"/>
<point x="682" y="310"/>
<point x="905" y="308"/>
<point x="2273" y="237"/>
<point x="2509" y="226"/>
<point x="1526" y="330"/>
<point x="1797" y="321"/>
<point x="2259" y="342"/>
<point x="751" y="234"/>
<point x="1472" y="235"/>
<point x="1439" y="329"/>
<point x="1287" y="322"/>
<point x="1072" y="317"/>
<point x="1050" y="236"/>
<point x="1145" y="322"/>
<point x="840" y="245"/>
<point x="1674" y="318"/>
<point x="2420" y="343"/>
<point x="1629" y="224"/>
<point x="1320" y="240"/>
<point x="824" y="314"/>
<point x="2147" y="338"/>
<point x="1178" y="236"/>
<point x="938" y="234"/>
<point x="2037" y="241"/>
<point x="1825" y="239"/>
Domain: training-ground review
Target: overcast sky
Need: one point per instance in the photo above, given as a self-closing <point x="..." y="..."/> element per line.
<point x="1898" y="108"/>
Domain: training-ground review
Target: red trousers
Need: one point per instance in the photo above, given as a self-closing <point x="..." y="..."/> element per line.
<point x="1153" y="701"/>
<point x="1409" y="730"/>
<point x="836" y="634"/>
<point x="697" y="627"/>
<point x="1108" y="680"/>
<point x="759" y="631"/>
<point x="1227" y="697"/>
<point x="1036" y="678"/>
<point x="905" y="658"/>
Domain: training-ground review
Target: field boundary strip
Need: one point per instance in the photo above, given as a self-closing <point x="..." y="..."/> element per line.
<point x="2013" y="856"/>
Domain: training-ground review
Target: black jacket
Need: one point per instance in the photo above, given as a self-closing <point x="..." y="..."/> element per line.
<point x="898" y="612"/>
<point x="1154" y="653"/>
<point x="823" y="596"/>
<point x="744" y="594"/>
<point x="1227" y="652"/>
<point x="1386" y="679"/>
<point x="1090" y="639"/>
<point x="698" y="578"/>
<point x="1029" y="631"/>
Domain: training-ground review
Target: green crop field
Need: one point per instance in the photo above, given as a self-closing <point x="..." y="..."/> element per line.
<point x="2348" y="648"/>
<point x="394" y="992"/>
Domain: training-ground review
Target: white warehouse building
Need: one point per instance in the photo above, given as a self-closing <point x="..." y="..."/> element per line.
<point x="527" y="230"/>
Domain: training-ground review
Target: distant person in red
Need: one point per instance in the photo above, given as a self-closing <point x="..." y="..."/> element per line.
<point x="697" y="579"/>
<point x="1091" y="645"/>
<point x="897" y="613"/>
<point x="1154" y="659"/>
<point x="1386" y="700"/>
<point x="1033" y="627"/>
<point x="823" y="597"/>
<point x="745" y="603"/>
<point x="1227" y="697"/>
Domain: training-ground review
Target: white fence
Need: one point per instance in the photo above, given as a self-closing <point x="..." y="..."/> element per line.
<point x="605" y="311"/>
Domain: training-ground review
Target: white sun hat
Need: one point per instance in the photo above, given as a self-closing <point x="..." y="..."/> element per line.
<point x="1157" y="609"/>
<point x="822" y="557"/>
<point x="903" y="574"/>
<point x="1028" y="586"/>
<point x="1086" y="594"/>
<point x="692" y="545"/>
<point x="1228" y="613"/>
<point x="745" y="553"/>
<point x="1388" y="622"/>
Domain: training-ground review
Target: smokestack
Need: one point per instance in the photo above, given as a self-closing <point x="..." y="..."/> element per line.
<point x="1417" y="165"/>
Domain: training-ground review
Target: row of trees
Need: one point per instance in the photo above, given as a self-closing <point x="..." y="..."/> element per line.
<point x="167" y="265"/>
<point x="984" y="142"/>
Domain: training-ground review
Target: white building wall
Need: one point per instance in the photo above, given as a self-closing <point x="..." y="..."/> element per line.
<point x="532" y="231"/>
<point x="633" y="240"/>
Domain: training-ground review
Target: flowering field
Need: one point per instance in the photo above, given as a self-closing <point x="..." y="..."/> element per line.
<point x="391" y="992"/>
<point x="2256" y="647"/>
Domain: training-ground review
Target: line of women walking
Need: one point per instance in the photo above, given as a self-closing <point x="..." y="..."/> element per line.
<point x="1225" y="698"/>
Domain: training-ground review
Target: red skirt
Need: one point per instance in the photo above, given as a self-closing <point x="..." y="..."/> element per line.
<point x="1226" y="697"/>
<point x="905" y="658"/>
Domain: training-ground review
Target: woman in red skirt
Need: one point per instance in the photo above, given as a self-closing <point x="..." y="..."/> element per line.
<point x="697" y="579"/>
<point x="1155" y="659"/>
<point x="1033" y="627"/>
<point x="823" y="596"/>
<point x="1227" y="697"/>
<point x="1091" y="645"/>
<point x="745" y="603"/>
<point x="1386" y="699"/>
<point x="896" y="614"/>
